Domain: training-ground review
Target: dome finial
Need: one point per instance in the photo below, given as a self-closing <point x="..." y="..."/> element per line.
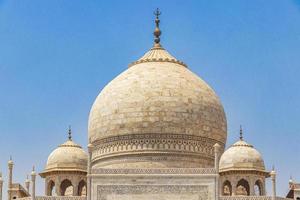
<point x="157" y="31"/>
<point x="241" y="132"/>
<point x="70" y="133"/>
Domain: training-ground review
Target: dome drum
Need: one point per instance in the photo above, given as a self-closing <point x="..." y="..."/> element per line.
<point x="155" y="145"/>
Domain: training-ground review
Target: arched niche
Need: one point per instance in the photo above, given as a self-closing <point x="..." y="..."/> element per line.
<point x="82" y="188"/>
<point x="242" y="188"/>
<point x="227" y="188"/>
<point x="66" y="188"/>
<point x="51" y="188"/>
<point x="258" y="188"/>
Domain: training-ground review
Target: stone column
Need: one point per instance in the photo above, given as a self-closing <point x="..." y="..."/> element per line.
<point x="10" y="175"/>
<point x="47" y="192"/>
<point x="33" y="177"/>
<point x="273" y="177"/>
<point x="251" y="185"/>
<point x="217" y="155"/>
<point x="75" y="183"/>
<point x="1" y="185"/>
<point x="27" y="184"/>
<point x="57" y="187"/>
<point x="89" y="178"/>
<point x="264" y="187"/>
<point x="233" y="185"/>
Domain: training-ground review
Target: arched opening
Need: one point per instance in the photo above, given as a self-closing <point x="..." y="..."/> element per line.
<point x="227" y="189"/>
<point x="66" y="188"/>
<point x="51" y="189"/>
<point x="82" y="188"/>
<point x="242" y="188"/>
<point x="258" y="188"/>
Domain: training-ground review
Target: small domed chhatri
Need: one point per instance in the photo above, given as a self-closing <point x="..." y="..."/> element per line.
<point x="242" y="170"/>
<point x="66" y="170"/>
<point x="67" y="156"/>
<point x="156" y="114"/>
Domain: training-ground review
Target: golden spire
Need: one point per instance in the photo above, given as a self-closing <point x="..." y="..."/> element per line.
<point x="157" y="31"/>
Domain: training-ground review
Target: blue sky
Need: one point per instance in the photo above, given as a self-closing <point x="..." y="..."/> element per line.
<point x="56" y="56"/>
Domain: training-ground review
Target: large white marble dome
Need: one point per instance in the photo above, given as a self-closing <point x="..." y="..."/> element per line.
<point x="157" y="113"/>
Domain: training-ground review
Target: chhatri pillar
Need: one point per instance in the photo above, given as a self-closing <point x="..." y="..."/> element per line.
<point x="33" y="178"/>
<point x="10" y="177"/>
<point x="1" y="186"/>
<point x="273" y="177"/>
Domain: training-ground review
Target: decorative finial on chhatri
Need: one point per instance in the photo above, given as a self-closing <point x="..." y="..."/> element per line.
<point x="241" y="132"/>
<point x="10" y="162"/>
<point x="157" y="31"/>
<point x="33" y="171"/>
<point x="70" y="133"/>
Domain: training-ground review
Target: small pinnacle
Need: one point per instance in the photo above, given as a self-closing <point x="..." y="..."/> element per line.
<point x="70" y="133"/>
<point x="241" y="132"/>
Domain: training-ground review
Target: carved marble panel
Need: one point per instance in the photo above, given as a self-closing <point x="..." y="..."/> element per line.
<point x="150" y="192"/>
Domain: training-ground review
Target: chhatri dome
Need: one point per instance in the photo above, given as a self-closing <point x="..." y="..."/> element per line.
<point x="241" y="156"/>
<point x="68" y="156"/>
<point x="156" y="114"/>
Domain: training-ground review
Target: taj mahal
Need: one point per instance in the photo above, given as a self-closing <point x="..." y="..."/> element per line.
<point x="156" y="131"/>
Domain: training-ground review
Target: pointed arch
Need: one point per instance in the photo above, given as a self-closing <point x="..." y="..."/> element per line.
<point x="51" y="188"/>
<point x="227" y="188"/>
<point x="82" y="188"/>
<point x="258" y="188"/>
<point x="66" y="188"/>
<point x="242" y="188"/>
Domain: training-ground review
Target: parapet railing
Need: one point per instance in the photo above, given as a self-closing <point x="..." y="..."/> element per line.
<point x="220" y="198"/>
<point x="55" y="198"/>
<point x="251" y="198"/>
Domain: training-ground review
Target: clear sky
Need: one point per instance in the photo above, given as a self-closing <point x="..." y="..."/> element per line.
<point x="57" y="55"/>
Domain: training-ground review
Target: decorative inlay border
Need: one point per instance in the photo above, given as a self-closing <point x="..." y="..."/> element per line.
<point x="158" y="60"/>
<point x="154" y="143"/>
<point x="210" y="171"/>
